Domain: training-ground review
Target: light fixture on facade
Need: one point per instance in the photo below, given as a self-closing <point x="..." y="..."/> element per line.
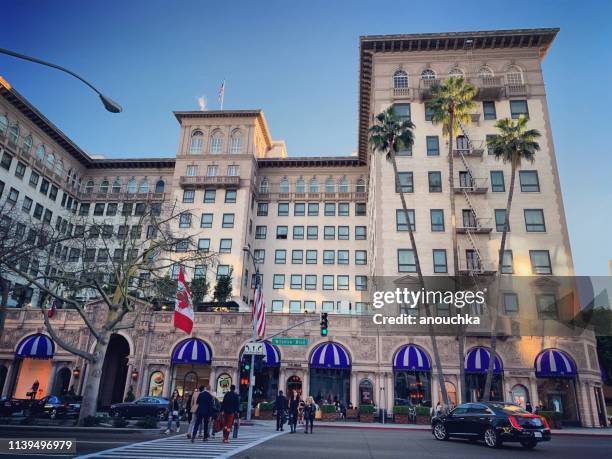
<point x="76" y="373"/>
<point x="135" y="375"/>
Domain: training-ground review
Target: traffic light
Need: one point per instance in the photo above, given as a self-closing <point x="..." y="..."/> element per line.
<point x="246" y="365"/>
<point x="324" y="324"/>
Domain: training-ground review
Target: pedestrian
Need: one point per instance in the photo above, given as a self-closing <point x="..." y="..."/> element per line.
<point x="281" y="407"/>
<point x="310" y="411"/>
<point x="203" y="412"/>
<point x="294" y="406"/>
<point x="192" y="406"/>
<point x="230" y="408"/>
<point x="174" y="406"/>
<point x="215" y="415"/>
<point x="438" y="409"/>
<point x="34" y="389"/>
<point x="301" y="411"/>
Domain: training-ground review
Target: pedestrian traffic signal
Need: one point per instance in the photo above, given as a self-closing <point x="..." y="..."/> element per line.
<point x="246" y="366"/>
<point x="324" y="324"/>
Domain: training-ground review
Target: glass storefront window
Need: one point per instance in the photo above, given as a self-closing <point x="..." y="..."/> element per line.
<point x="156" y="384"/>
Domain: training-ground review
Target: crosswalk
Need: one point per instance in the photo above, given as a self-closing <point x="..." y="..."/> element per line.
<point x="179" y="446"/>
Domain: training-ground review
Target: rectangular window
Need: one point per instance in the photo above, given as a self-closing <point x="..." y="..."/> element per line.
<point x="342" y="282"/>
<point x="500" y="219"/>
<point x="518" y="108"/>
<point x="122" y="231"/>
<point x="181" y="246"/>
<point x="99" y="209"/>
<point x="259" y="255"/>
<point x="277" y="305"/>
<point x="212" y="170"/>
<point x="405" y="261"/>
<point x="327" y="306"/>
<point x="310" y="306"/>
<point x="313" y="209"/>
<point x="20" y="170"/>
<point x="530" y="182"/>
<point x="261" y="232"/>
<point x="312" y="232"/>
<point x="262" y="209"/>
<point x="311" y="257"/>
<point x="402" y="111"/>
<point x="343" y="209"/>
<point x="126" y="209"/>
<point x="84" y="209"/>
<point x="497" y="182"/>
<point x="328" y="283"/>
<point x="280" y="256"/>
<point x="361" y="283"/>
<point x="53" y="193"/>
<point x="228" y="221"/>
<point x="343" y="233"/>
<point x="428" y="112"/>
<point x="296" y="281"/>
<point x="488" y="110"/>
<point x="191" y="171"/>
<point x="225" y="246"/>
<point x="329" y="233"/>
<point x="404" y="182"/>
<point x="437" y="220"/>
<point x="298" y="232"/>
<point x="329" y="257"/>
<point x="547" y="306"/>
<point x="401" y="223"/>
<point x="199" y="272"/>
<point x="295" y="306"/>
<point x="34" y="179"/>
<point x="360" y="233"/>
<point x="361" y="257"/>
<point x="222" y="270"/>
<point x="433" y="145"/>
<point x="27" y="205"/>
<point x="297" y="257"/>
<point x="278" y="281"/>
<point x="44" y="186"/>
<point x="6" y="161"/>
<point x="135" y="232"/>
<point x="435" y="182"/>
<point x="203" y="245"/>
<point x="540" y="262"/>
<point x="343" y="257"/>
<point x="439" y="261"/>
<point x="140" y="208"/>
<point x="281" y="232"/>
<point x="206" y="221"/>
<point x="283" y="209"/>
<point x="111" y="209"/>
<point x="330" y="209"/>
<point x="47" y="217"/>
<point x="488" y="138"/>
<point x="511" y="305"/>
<point x="360" y="209"/>
<point x="534" y="221"/>
<point x="209" y="196"/>
<point x="185" y="220"/>
<point x="507" y="263"/>
<point x="232" y="171"/>
<point x="230" y="196"/>
<point x="299" y="209"/>
<point x="310" y="282"/>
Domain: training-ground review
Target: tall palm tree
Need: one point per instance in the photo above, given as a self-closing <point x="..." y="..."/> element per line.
<point x="514" y="144"/>
<point x="451" y="104"/>
<point x="388" y="135"/>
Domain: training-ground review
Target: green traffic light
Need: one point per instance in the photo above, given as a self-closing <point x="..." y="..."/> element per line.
<point x="247" y="367"/>
<point x="324" y="332"/>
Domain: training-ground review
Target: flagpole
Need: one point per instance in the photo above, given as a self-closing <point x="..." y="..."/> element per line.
<point x="222" y="93"/>
<point x="247" y="249"/>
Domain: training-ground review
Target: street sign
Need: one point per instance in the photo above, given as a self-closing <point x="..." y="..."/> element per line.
<point x="290" y="341"/>
<point x="254" y="348"/>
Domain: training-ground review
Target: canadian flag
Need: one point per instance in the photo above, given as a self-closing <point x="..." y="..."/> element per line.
<point x="183" y="306"/>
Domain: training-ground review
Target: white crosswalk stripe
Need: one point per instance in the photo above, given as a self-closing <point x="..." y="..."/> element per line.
<point x="179" y="446"/>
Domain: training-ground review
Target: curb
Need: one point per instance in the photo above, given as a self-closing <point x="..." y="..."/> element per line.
<point x="123" y="430"/>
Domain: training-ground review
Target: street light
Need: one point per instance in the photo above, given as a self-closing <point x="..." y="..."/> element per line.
<point x="247" y="250"/>
<point x="109" y="103"/>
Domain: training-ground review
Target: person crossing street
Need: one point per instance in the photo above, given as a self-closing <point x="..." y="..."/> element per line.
<point x="204" y="411"/>
<point x="280" y="405"/>
<point x="230" y="407"/>
<point x="294" y="406"/>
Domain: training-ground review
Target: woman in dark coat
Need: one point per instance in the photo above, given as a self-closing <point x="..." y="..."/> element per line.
<point x="294" y="405"/>
<point x="310" y="411"/>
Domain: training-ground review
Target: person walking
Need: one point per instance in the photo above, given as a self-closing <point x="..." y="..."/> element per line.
<point x="294" y="406"/>
<point x="203" y="412"/>
<point x="174" y="407"/>
<point x="230" y="407"/>
<point x="280" y="405"/>
<point x="192" y="406"/>
<point x="310" y="411"/>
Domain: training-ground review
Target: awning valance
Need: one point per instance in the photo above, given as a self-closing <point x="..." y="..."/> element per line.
<point x="552" y="363"/>
<point x="330" y="355"/>
<point x="37" y="346"/>
<point x="411" y="357"/>
<point x="193" y="350"/>
<point x="477" y="361"/>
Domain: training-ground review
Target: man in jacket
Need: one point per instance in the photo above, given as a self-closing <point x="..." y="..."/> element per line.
<point x="230" y="407"/>
<point x="203" y="412"/>
<point x="280" y="405"/>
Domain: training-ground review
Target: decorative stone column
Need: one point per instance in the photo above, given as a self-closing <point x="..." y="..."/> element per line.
<point x="435" y="390"/>
<point x="390" y="391"/>
<point x="354" y="389"/>
<point x="305" y="375"/>
<point x="534" y="399"/>
<point x="10" y="376"/>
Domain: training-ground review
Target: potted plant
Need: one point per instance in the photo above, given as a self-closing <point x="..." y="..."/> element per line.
<point x="423" y="415"/>
<point x="328" y="412"/>
<point x="266" y="410"/>
<point x="552" y="417"/>
<point x="352" y="413"/>
<point x="401" y="414"/>
<point x="366" y="413"/>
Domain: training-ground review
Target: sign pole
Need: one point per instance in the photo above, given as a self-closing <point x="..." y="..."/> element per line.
<point x="254" y="339"/>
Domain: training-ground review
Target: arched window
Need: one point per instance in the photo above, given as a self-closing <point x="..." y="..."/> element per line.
<point x="485" y="72"/>
<point x="236" y="142"/>
<point x="159" y="186"/>
<point x="216" y="142"/>
<point x="456" y="72"/>
<point x="400" y="80"/>
<point x="196" y="142"/>
<point x="89" y="186"/>
<point x="428" y="74"/>
<point x="104" y="186"/>
<point x="314" y="186"/>
<point x="190" y="382"/>
<point x="360" y="188"/>
<point x="264" y="187"/>
<point x="3" y="124"/>
<point x="59" y="167"/>
<point x="40" y="152"/>
<point x="27" y="144"/>
<point x="50" y="160"/>
<point x="330" y="186"/>
<point x="132" y="186"/>
<point x="300" y="186"/>
<point x="14" y="133"/>
<point x="284" y="186"/>
<point x="344" y="186"/>
<point x="514" y="75"/>
<point x="144" y="186"/>
<point x="156" y="384"/>
<point x="117" y="186"/>
<point x="366" y="392"/>
<point x="520" y="395"/>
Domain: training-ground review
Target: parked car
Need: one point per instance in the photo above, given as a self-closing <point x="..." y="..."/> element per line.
<point x="56" y="406"/>
<point x="143" y="407"/>
<point x="493" y="422"/>
<point x="9" y="406"/>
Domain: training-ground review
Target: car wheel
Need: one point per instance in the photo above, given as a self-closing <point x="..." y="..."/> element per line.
<point x="440" y="432"/>
<point x="491" y="438"/>
<point x="53" y="414"/>
<point x="161" y="415"/>
<point x="529" y="444"/>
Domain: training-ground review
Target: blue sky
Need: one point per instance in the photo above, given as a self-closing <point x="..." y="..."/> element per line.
<point x="298" y="61"/>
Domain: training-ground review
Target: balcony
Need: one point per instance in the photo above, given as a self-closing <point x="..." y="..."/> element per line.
<point x="402" y="93"/>
<point x="425" y="87"/>
<point x="218" y="181"/>
<point x="356" y="196"/>
<point x="476" y="268"/>
<point x="513" y="90"/>
<point x="478" y="228"/>
<point x="120" y="197"/>
<point x="489" y="87"/>
<point x="474" y="186"/>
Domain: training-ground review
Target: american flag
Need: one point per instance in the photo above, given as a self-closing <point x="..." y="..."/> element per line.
<point x="221" y="93"/>
<point x="259" y="311"/>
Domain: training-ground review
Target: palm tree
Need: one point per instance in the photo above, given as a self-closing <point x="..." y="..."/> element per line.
<point x="514" y="144"/>
<point x="451" y="105"/>
<point x="388" y="135"/>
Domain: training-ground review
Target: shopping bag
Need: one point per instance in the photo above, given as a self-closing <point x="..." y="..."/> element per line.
<point x="218" y="425"/>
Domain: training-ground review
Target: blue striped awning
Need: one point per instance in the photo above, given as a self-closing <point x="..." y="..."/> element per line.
<point x="552" y="363"/>
<point x="37" y="346"/>
<point x="411" y="357"/>
<point x="477" y="361"/>
<point x="330" y="355"/>
<point x="192" y="350"/>
<point x="272" y="356"/>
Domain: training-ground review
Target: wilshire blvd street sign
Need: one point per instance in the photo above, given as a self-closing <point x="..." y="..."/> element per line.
<point x="290" y="341"/>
